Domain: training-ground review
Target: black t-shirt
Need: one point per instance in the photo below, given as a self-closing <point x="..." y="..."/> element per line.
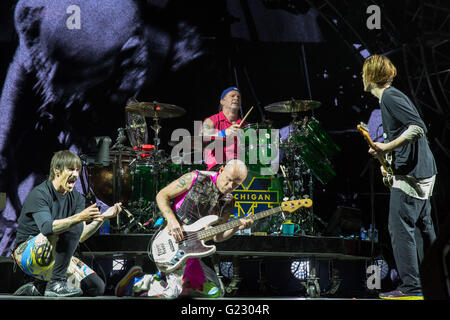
<point x="45" y="198"/>
<point x="398" y="113"/>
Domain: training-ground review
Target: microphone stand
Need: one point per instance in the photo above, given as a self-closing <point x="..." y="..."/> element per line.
<point x="118" y="171"/>
<point x="89" y="196"/>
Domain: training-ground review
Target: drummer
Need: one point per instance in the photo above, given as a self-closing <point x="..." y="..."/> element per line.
<point x="224" y="124"/>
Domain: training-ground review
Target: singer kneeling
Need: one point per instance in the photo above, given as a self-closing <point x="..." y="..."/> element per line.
<point x="52" y="222"/>
<point x="195" y="195"/>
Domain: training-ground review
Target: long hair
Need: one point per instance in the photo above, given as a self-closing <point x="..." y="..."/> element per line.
<point x="63" y="159"/>
<point x="379" y="69"/>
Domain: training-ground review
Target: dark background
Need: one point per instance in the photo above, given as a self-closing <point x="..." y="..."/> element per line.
<point x="278" y="50"/>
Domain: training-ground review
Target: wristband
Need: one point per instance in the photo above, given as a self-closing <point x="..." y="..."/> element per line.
<point x="222" y="134"/>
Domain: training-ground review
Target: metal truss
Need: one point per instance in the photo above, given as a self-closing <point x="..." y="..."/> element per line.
<point x="414" y="32"/>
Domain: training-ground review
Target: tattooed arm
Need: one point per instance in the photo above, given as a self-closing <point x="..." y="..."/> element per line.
<point x="226" y="212"/>
<point x="208" y="129"/>
<point x="91" y="228"/>
<point x="62" y="225"/>
<point x="163" y="198"/>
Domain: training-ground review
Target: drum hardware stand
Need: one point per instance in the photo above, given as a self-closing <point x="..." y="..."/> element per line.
<point x="156" y="128"/>
<point x="118" y="173"/>
<point x="216" y="263"/>
<point x="287" y="179"/>
<point x="233" y="286"/>
<point x="133" y="221"/>
<point x="334" y="278"/>
<point x="157" y="161"/>
<point x="297" y="183"/>
<point x="312" y="283"/>
<point x="311" y="214"/>
<point x="121" y="138"/>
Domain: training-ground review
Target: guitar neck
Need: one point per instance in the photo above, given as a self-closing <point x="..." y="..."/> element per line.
<point x="381" y="159"/>
<point x="235" y="223"/>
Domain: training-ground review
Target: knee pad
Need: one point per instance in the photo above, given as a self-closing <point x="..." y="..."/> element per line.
<point x="43" y="254"/>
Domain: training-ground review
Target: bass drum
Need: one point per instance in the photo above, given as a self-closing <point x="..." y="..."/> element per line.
<point x="104" y="180"/>
<point x="258" y="192"/>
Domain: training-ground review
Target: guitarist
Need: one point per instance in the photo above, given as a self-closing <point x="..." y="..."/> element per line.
<point x="414" y="171"/>
<point x="195" y="195"/>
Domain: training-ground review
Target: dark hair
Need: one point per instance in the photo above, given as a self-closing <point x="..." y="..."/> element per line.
<point x="63" y="159"/>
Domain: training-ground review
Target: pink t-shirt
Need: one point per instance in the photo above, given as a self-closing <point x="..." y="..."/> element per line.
<point x="229" y="152"/>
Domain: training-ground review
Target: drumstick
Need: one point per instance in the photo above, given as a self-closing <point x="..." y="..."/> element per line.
<point x="245" y="117"/>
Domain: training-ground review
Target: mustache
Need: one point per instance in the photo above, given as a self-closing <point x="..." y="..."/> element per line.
<point x="72" y="179"/>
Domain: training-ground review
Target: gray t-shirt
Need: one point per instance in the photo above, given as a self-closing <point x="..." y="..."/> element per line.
<point x="398" y="113"/>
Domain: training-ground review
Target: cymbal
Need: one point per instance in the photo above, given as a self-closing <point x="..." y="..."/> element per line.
<point x="156" y="110"/>
<point x="291" y="106"/>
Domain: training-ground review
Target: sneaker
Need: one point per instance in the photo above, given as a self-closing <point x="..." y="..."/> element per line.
<point x="61" y="289"/>
<point x="398" y="295"/>
<point x="125" y="285"/>
<point x="28" y="289"/>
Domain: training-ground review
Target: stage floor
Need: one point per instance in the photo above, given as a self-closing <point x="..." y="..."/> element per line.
<point x="231" y="299"/>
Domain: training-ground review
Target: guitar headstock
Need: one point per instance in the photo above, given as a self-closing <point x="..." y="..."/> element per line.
<point x="364" y="129"/>
<point x="291" y="206"/>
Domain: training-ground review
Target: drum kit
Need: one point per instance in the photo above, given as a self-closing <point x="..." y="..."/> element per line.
<point x="136" y="172"/>
<point x="308" y="150"/>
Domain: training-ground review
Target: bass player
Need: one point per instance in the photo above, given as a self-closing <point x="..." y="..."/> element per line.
<point x="194" y="195"/>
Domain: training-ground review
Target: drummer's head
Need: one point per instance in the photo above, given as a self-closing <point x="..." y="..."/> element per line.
<point x="65" y="168"/>
<point x="378" y="72"/>
<point x="230" y="99"/>
<point x="231" y="176"/>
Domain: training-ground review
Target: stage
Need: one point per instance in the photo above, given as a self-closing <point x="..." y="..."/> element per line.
<point x="142" y="93"/>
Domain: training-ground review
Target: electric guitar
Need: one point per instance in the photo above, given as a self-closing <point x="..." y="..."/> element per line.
<point x="362" y="127"/>
<point x="170" y="255"/>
